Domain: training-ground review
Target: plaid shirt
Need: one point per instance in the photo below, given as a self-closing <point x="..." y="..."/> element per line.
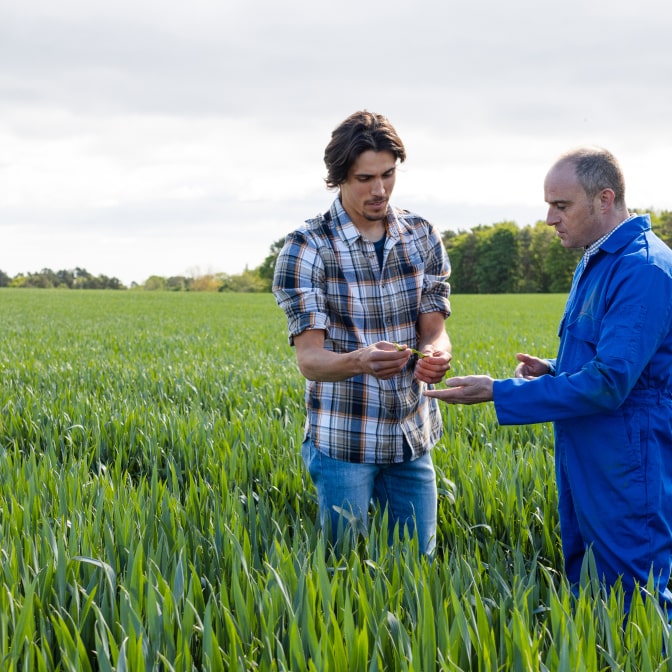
<point x="328" y="277"/>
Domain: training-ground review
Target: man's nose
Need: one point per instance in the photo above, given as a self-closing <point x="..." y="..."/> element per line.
<point x="552" y="217"/>
<point x="378" y="188"/>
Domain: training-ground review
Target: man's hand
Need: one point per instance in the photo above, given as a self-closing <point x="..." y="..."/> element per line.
<point x="530" y="367"/>
<point x="383" y="359"/>
<point x="433" y="366"/>
<point x="464" y="390"/>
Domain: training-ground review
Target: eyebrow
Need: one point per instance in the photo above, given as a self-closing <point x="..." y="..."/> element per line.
<point x="390" y="170"/>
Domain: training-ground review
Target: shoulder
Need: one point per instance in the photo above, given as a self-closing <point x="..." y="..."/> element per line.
<point x="411" y="223"/>
<point x="641" y="273"/>
<point x="659" y="251"/>
<point x="310" y="232"/>
<point x="647" y="251"/>
<point x="410" y="218"/>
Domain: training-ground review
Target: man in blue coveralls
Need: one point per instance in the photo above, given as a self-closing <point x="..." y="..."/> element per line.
<point x="609" y="391"/>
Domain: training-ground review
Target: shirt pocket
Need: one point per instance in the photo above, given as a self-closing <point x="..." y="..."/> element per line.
<point x="584" y="328"/>
<point x="621" y="337"/>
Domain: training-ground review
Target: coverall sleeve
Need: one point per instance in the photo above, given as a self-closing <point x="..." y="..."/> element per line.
<point x="607" y="352"/>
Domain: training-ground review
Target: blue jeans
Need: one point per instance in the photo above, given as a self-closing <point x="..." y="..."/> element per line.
<point x="406" y="489"/>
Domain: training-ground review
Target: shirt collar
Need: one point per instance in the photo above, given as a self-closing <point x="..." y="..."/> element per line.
<point x="350" y="233"/>
<point x="593" y="248"/>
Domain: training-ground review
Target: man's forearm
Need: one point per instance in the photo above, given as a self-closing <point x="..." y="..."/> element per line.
<point x="326" y="366"/>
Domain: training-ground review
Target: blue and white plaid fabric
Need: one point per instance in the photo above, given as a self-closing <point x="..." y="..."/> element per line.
<point x="328" y="277"/>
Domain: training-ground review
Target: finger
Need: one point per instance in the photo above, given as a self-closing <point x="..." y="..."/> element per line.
<point x="456" y="381"/>
<point x="445" y="395"/>
<point x="391" y="356"/>
<point x="437" y="394"/>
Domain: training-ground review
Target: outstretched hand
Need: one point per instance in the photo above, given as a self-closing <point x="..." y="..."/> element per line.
<point x="464" y="390"/>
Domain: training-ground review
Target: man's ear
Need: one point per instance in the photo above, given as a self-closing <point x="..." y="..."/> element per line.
<point x="606" y="197"/>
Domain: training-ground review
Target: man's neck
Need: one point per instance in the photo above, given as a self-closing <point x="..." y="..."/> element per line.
<point x="371" y="230"/>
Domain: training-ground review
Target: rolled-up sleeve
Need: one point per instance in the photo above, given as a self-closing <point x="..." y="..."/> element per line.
<point x="298" y="286"/>
<point x="435" y="286"/>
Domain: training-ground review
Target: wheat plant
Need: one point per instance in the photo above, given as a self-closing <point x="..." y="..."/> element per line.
<point x="155" y="515"/>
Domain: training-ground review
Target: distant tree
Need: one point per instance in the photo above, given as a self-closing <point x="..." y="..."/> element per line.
<point x="210" y="282"/>
<point x="447" y="238"/>
<point x="267" y="268"/>
<point x="462" y="254"/>
<point x="155" y="283"/>
<point x="177" y="283"/>
<point x="525" y="276"/>
<point x="485" y="259"/>
<point x="4" y="279"/>
<point x="540" y="238"/>
<point x="247" y="281"/>
<point x="81" y="279"/>
<point x="43" y="280"/>
<point x="110" y="283"/>
<point x="66" y="279"/>
<point x="18" y="280"/>
<point x="661" y="223"/>
<point x="497" y="250"/>
<point x="559" y="266"/>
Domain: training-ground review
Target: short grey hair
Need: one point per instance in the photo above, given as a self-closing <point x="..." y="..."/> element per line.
<point x="596" y="169"/>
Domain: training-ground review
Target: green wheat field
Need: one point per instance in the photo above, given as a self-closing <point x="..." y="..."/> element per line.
<point x="155" y="515"/>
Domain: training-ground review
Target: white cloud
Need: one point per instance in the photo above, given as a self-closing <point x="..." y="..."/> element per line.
<point x="141" y="138"/>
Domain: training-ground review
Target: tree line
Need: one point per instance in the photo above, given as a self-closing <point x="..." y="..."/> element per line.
<point x="505" y="258"/>
<point x="78" y="278"/>
<point x="488" y="259"/>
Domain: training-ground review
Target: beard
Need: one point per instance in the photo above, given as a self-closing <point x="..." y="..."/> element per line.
<point x="380" y="217"/>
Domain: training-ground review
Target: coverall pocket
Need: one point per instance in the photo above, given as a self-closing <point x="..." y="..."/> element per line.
<point x="585" y="328"/>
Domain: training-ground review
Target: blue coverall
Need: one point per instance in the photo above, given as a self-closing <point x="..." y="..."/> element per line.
<point x="610" y="397"/>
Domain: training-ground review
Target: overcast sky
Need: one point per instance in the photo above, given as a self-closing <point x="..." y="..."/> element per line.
<point x="144" y="138"/>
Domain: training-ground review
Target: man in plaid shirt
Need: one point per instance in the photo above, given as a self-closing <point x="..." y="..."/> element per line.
<point x="363" y="286"/>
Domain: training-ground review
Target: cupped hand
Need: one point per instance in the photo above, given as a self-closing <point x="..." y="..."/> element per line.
<point x="530" y="367"/>
<point x="433" y="367"/>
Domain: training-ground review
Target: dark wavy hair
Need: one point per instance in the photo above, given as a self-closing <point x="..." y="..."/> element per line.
<point x="596" y="169"/>
<point x="360" y="132"/>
